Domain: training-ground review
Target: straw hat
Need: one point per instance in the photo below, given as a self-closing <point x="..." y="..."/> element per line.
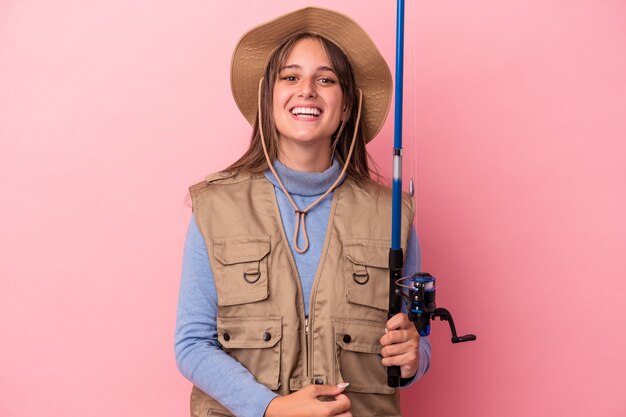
<point x="371" y="70"/>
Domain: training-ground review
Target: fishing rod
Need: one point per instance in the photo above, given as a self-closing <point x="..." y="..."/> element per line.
<point x="419" y="288"/>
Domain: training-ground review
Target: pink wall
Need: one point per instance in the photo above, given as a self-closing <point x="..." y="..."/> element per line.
<point x="109" y="110"/>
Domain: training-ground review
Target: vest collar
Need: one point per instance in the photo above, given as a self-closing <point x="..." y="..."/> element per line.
<point x="304" y="183"/>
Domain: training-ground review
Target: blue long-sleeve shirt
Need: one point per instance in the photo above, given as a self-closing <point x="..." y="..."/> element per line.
<point x="198" y="354"/>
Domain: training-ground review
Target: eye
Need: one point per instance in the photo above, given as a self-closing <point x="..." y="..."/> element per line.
<point x="326" y="80"/>
<point x="288" y="78"/>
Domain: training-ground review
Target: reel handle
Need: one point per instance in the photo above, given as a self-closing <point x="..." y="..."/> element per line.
<point x="466" y="338"/>
<point x="445" y="315"/>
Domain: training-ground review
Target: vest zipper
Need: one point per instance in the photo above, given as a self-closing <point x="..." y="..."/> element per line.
<point x="306" y="338"/>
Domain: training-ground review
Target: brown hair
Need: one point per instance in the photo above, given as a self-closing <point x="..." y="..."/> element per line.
<point x="253" y="160"/>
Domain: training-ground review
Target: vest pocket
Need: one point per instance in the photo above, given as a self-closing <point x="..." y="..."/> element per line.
<point x="367" y="272"/>
<point x="255" y="343"/>
<point x="241" y="269"/>
<point x="358" y="356"/>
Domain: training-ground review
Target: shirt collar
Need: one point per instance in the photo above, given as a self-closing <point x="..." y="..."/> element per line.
<point x="304" y="183"/>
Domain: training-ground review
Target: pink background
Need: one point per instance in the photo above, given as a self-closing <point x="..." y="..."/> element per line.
<point x="109" y="110"/>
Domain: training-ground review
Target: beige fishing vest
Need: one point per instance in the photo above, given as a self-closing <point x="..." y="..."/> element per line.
<point x="261" y="320"/>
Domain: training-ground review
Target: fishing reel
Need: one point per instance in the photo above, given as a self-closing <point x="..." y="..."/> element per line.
<point x="422" y="308"/>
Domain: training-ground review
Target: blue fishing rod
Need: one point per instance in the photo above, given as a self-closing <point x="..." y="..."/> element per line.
<point x="396" y="260"/>
<point x="419" y="293"/>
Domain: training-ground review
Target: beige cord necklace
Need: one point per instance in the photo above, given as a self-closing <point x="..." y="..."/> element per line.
<point x="301" y="214"/>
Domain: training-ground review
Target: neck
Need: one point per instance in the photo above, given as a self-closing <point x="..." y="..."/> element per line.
<point x="311" y="158"/>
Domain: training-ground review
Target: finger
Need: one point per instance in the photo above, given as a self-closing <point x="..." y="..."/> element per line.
<point x="400" y="348"/>
<point x="399" y="321"/>
<point x="409" y="360"/>
<point x="340" y="405"/>
<point x="398" y="336"/>
<point x="344" y="414"/>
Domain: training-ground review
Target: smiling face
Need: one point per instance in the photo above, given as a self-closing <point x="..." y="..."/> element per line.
<point x="308" y="103"/>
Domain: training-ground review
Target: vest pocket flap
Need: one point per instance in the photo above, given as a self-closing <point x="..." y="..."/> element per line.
<point x="234" y="250"/>
<point x="249" y="332"/>
<point x="367" y="272"/>
<point x="240" y="270"/>
<point x="368" y="253"/>
<point x="359" y="335"/>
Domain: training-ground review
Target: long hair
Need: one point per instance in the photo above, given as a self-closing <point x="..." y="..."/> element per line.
<point x="253" y="160"/>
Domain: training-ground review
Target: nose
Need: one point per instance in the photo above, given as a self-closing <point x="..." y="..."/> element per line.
<point x="308" y="87"/>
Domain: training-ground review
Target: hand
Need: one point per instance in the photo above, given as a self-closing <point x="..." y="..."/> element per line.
<point x="401" y="345"/>
<point x="305" y="403"/>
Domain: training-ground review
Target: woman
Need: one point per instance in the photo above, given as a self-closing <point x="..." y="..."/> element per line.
<point x="283" y="300"/>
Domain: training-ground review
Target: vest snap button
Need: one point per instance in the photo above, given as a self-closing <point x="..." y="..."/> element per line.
<point x="318" y="381"/>
<point x="267" y="336"/>
<point x="347" y="338"/>
<point x="226" y="337"/>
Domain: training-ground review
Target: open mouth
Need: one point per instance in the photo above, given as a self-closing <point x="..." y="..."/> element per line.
<point x="306" y="112"/>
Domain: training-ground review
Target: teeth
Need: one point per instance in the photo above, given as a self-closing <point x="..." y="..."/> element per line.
<point x="309" y="111"/>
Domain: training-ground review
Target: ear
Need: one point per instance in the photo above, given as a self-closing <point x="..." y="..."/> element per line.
<point x="344" y="112"/>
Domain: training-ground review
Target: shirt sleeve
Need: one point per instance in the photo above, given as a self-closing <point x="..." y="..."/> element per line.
<point x="199" y="356"/>
<point x="412" y="265"/>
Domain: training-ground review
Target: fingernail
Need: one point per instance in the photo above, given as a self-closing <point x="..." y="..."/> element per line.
<point x="343" y="385"/>
<point x="385" y="330"/>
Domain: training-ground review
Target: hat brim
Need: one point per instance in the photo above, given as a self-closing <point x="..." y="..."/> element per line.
<point x="371" y="70"/>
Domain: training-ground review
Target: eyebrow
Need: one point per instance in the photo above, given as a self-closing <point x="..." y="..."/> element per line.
<point x="299" y="67"/>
